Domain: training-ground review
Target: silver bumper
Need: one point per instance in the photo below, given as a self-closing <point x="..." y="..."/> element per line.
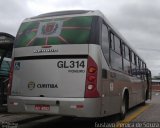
<point x="89" y="107"/>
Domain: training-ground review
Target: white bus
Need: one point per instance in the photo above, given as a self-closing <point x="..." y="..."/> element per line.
<point x="74" y="63"/>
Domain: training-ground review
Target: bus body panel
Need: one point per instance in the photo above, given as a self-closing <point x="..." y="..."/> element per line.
<point x="114" y="85"/>
<point x="73" y="92"/>
<point x="50" y="76"/>
<point x="66" y="106"/>
<point x="63" y="49"/>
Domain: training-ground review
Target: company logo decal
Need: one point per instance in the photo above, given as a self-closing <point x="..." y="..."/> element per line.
<point x="47" y="86"/>
<point x="31" y="85"/>
<point x="45" y="50"/>
<point x="17" y="66"/>
<point x="49" y="29"/>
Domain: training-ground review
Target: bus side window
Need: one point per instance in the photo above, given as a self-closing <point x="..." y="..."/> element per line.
<point x="145" y="69"/>
<point x="123" y="50"/>
<point x="112" y="41"/>
<point x="133" y="67"/>
<point x="116" y="57"/>
<point x="141" y="69"/>
<point x="126" y="52"/>
<point x="117" y="44"/>
<point x="138" y="67"/>
<point x="126" y="61"/>
<point x="136" y="64"/>
<point x="105" y="42"/>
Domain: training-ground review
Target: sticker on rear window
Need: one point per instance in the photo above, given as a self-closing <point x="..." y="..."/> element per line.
<point x="17" y="66"/>
<point x="49" y="29"/>
<point x="73" y="30"/>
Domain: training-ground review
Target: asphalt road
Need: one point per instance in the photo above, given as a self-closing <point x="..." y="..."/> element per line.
<point x="153" y="113"/>
<point x="64" y="122"/>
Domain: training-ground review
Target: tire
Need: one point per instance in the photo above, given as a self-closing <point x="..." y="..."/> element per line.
<point x="123" y="108"/>
<point x="143" y="103"/>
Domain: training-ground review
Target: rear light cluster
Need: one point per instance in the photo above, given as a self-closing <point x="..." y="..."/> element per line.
<point x="91" y="80"/>
<point x="10" y="77"/>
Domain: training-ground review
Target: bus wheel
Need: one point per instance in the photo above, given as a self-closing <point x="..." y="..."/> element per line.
<point x="123" y="108"/>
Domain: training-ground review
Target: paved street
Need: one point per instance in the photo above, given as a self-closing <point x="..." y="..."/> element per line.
<point x="153" y="113"/>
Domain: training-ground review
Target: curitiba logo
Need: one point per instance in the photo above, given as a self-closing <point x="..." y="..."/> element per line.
<point x="31" y="85"/>
<point x="49" y="28"/>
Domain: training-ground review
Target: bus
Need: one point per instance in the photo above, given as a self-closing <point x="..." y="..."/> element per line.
<point x="4" y="77"/>
<point x="74" y="63"/>
<point x="5" y="67"/>
<point x="6" y="45"/>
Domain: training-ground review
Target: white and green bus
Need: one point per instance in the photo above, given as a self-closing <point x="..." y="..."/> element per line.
<point x="74" y="63"/>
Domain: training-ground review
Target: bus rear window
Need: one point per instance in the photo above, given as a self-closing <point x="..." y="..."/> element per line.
<point x="70" y="30"/>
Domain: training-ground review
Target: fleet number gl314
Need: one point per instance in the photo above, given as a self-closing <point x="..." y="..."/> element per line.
<point x="71" y="64"/>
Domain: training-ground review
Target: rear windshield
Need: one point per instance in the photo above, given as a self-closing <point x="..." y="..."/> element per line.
<point x="71" y="30"/>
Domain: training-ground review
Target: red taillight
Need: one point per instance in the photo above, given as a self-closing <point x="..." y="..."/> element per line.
<point x="91" y="81"/>
<point x="91" y="78"/>
<point x="92" y="69"/>
<point x="10" y="77"/>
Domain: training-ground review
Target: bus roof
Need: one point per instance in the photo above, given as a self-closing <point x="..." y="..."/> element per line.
<point x="73" y="13"/>
<point x="66" y="14"/>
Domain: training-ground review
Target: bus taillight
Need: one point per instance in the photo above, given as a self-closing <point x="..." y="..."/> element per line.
<point x="10" y="78"/>
<point x="91" y="78"/>
<point x="91" y="81"/>
<point x="92" y="69"/>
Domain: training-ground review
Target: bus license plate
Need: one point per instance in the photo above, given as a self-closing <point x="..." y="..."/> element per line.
<point x="42" y="107"/>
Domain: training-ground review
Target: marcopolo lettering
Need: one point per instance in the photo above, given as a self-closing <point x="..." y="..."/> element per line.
<point x="47" y="86"/>
<point x="45" y="50"/>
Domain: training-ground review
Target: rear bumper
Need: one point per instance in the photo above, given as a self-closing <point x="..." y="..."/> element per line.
<point x="89" y="107"/>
